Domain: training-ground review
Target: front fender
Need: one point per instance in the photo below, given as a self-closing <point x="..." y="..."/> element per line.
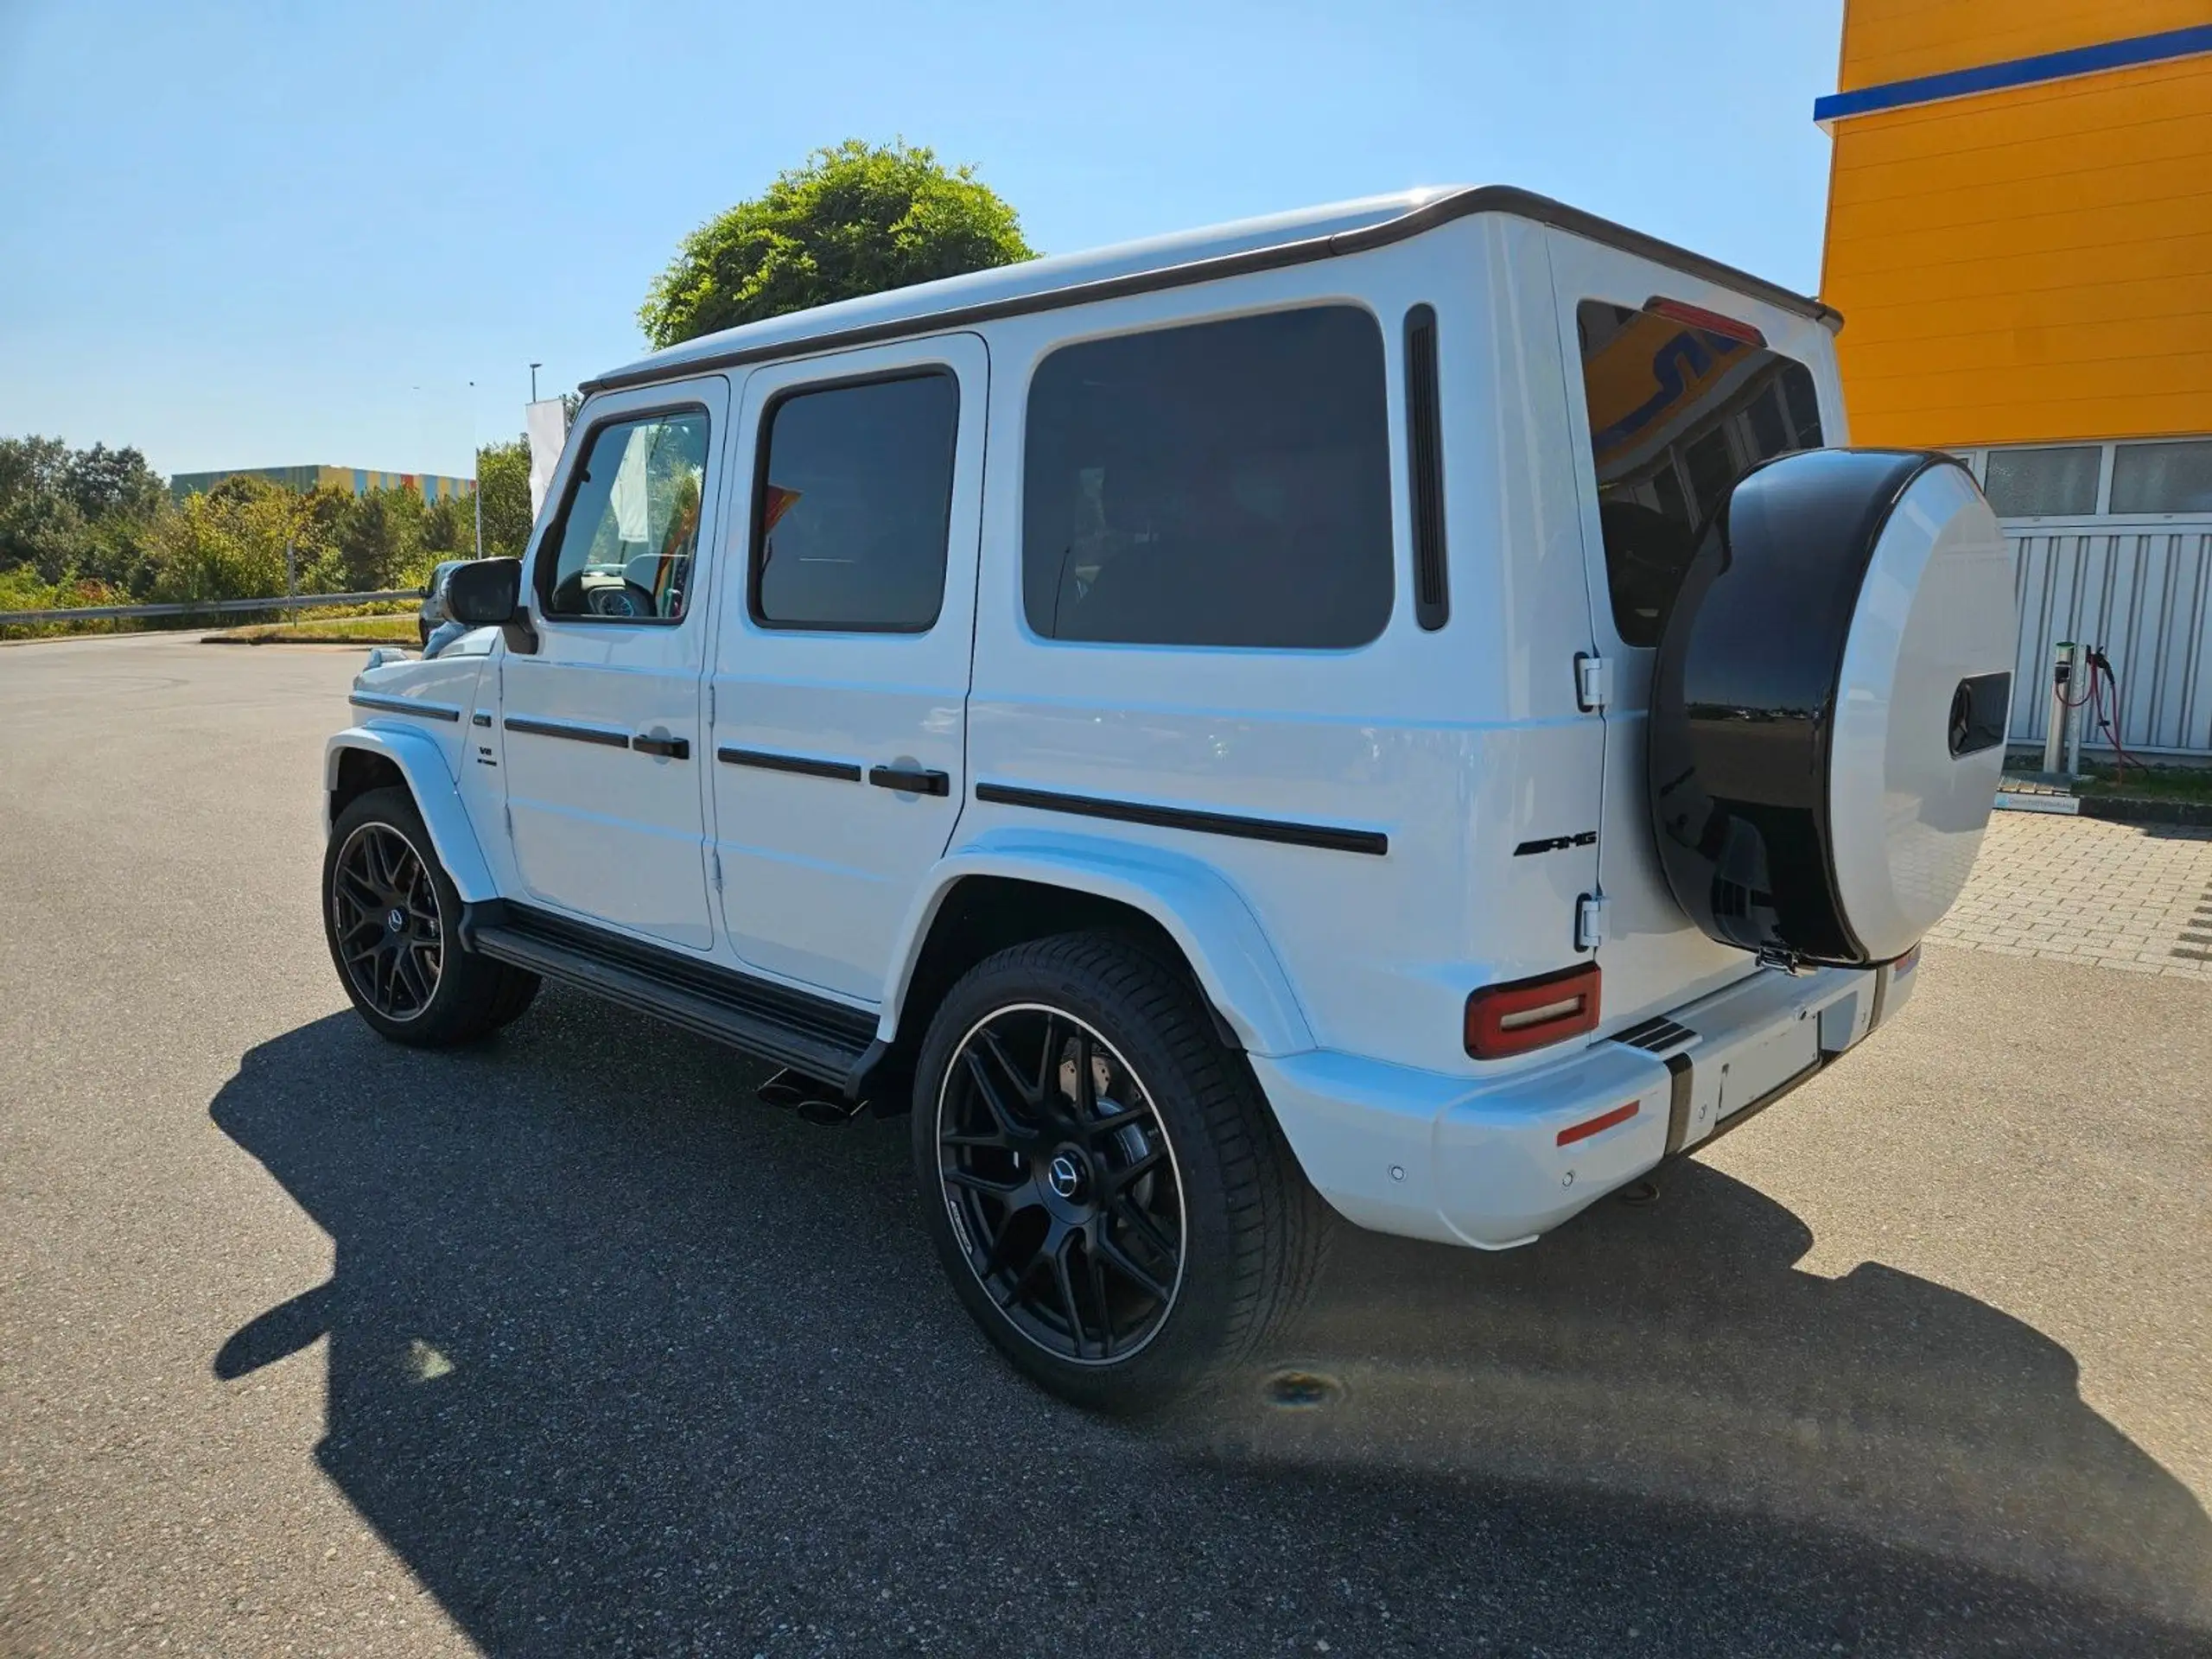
<point x="1205" y="916"/>
<point x="423" y="764"/>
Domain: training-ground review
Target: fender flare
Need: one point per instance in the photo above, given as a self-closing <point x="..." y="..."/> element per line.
<point x="1208" y="918"/>
<point x="423" y="764"/>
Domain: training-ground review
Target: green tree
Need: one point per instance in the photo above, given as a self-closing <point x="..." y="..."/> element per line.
<point x="228" y="544"/>
<point x="856" y="218"/>
<point x="503" y="480"/>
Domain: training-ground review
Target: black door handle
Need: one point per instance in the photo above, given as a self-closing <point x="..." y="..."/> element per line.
<point x="671" y="749"/>
<point x="910" y="780"/>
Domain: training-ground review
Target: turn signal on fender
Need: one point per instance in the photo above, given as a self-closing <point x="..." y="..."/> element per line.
<point x="1526" y="1014"/>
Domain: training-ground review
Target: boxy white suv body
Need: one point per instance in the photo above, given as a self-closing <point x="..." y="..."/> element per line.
<point x="1348" y="703"/>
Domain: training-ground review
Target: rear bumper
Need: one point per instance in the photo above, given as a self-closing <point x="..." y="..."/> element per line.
<point x="1482" y="1162"/>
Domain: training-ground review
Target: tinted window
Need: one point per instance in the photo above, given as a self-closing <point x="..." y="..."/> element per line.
<point x="2162" y="477"/>
<point x="1224" y="484"/>
<point x="2043" y="483"/>
<point x="623" y="548"/>
<point x="1677" y="415"/>
<point x="854" y="504"/>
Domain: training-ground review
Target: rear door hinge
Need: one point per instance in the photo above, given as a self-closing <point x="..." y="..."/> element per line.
<point x="710" y="703"/>
<point x="1593" y="682"/>
<point x="1589" y="921"/>
<point x="715" y="858"/>
<point x="508" y="813"/>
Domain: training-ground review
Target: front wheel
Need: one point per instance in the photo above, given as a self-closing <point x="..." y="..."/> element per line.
<point x="1108" y="1190"/>
<point x="388" y="912"/>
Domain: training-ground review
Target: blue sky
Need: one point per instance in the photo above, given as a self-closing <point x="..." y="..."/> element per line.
<point x="290" y="233"/>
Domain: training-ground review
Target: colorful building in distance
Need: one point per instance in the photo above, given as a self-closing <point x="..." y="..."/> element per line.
<point x="2019" y="237"/>
<point x="355" y="480"/>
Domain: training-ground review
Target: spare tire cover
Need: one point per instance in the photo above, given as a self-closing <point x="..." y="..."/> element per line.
<point x="1828" y="705"/>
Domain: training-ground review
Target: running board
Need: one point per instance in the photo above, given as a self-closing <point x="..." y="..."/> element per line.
<point x="808" y="1034"/>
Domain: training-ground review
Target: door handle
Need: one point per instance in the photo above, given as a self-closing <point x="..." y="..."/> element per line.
<point x="910" y="780"/>
<point x="669" y="748"/>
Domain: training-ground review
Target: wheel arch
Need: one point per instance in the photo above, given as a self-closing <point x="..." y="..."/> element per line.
<point x="363" y="758"/>
<point x="1005" y="888"/>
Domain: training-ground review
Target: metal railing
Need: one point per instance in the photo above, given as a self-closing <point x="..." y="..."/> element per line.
<point x="205" y="607"/>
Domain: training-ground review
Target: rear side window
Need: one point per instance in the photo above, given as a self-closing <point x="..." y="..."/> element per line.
<point x="1678" y="413"/>
<point x="853" y="504"/>
<point x="1221" y="484"/>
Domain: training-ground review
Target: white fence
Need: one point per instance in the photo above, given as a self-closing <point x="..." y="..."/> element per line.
<point x="2143" y="595"/>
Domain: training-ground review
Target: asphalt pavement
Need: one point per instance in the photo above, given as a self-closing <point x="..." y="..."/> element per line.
<point x="566" y="1345"/>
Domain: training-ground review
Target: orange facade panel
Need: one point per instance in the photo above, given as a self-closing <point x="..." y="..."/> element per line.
<point x="2028" y="265"/>
<point x="1886" y="40"/>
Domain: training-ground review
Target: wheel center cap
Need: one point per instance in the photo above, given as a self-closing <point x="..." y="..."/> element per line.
<point x="395" y="919"/>
<point x="1065" y="1175"/>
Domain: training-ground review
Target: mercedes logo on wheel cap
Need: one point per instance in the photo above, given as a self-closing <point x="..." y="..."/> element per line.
<point x="1065" y="1175"/>
<point x="396" y="919"/>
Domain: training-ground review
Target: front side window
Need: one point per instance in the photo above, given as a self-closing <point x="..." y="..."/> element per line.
<point x="623" y="547"/>
<point x="1220" y="483"/>
<point x="853" y="506"/>
<point x="1678" y="413"/>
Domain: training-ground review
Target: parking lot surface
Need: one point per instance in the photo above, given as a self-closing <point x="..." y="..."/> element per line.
<point x="310" y="1344"/>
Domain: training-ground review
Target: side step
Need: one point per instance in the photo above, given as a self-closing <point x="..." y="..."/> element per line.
<point x="809" y="1034"/>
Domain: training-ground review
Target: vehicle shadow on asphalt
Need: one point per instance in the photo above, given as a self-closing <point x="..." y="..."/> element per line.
<point x="621" y="1360"/>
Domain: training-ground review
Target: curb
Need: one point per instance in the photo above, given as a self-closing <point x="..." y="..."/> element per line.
<point x="2113" y="809"/>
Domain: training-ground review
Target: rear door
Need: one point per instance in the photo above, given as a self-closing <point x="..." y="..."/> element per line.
<point x="840" y="678"/>
<point x="1676" y="386"/>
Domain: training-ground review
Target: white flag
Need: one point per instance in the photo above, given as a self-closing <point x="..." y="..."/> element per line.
<point x="547" y="424"/>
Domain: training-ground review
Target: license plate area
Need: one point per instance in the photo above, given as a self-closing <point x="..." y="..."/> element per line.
<point x="1763" y="1062"/>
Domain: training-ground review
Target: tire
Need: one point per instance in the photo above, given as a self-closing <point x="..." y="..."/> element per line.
<point x="1109" y="1102"/>
<point x="410" y="982"/>
<point x="1828" y="705"/>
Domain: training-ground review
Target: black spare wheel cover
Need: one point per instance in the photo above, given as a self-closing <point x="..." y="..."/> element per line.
<point x="1828" y="704"/>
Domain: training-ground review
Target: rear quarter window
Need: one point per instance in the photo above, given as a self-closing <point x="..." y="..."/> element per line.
<point x="1216" y="484"/>
<point x="1677" y="415"/>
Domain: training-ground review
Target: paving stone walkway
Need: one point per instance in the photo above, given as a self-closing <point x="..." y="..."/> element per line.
<point x="2132" y="896"/>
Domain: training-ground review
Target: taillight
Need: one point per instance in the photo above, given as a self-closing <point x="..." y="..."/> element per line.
<point x="1711" y="321"/>
<point x="1507" y="1019"/>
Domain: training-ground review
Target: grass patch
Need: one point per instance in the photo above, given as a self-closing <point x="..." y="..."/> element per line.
<point x="400" y="629"/>
<point x="2149" y="783"/>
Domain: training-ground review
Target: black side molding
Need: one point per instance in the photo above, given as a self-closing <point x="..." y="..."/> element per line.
<point x="1332" y="838"/>
<point x="404" y="706"/>
<point x="805" y="765"/>
<point x="562" y="728"/>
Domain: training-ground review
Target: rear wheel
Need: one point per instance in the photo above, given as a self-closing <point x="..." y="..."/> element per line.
<point x="389" y="912"/>
<point x="1109" y="1193"/>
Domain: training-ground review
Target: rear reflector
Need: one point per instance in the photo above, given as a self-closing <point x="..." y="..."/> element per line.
<point x="1712" y="321"/>
<point x="1512" y="1019"/>
<point x="1905" y="963"/>
<point x="1604" y="1121"/>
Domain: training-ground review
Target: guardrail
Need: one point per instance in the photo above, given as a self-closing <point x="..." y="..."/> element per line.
<point x="206" y="606"/>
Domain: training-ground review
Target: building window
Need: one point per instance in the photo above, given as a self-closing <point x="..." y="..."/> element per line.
<point x="2163" y="477"/>
<point x="2055" y="483"/>
<point x="1219" y="483"/>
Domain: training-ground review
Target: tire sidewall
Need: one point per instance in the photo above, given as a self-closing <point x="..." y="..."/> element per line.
<point x="1185" y="1348"/>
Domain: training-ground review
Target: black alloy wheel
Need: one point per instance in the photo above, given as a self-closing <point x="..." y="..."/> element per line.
<point x="386" y="924"/>
<point x="389" y="914"/>
<point x="1061" y="1185"/>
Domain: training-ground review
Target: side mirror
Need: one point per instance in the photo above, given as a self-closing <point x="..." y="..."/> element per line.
<point x="484" y="592"/>
<point x="487" y="594"/>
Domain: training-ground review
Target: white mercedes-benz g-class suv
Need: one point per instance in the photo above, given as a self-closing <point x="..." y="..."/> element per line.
<point x="1403" y="709"/>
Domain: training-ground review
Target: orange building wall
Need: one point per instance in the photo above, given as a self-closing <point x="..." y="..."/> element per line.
<point x="1898" y="39"/>
<point x="2028" y="264"/>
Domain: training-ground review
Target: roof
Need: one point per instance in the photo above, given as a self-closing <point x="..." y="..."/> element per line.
<point x="1190" y="257"/>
